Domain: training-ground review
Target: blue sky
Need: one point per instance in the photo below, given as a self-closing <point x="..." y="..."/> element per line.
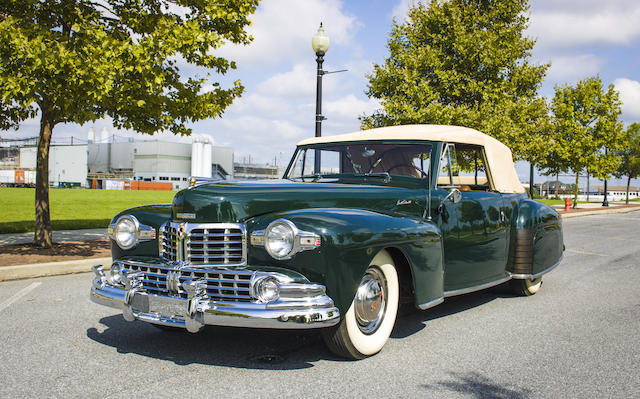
<point x="580" y="38"/>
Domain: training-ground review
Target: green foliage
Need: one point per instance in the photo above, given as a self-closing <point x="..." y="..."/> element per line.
<point x="78" y="61"/>
<point x="463" y="62"/>
<point x="72" y="208"/>
<point x="630" y="156"/>
<point x="587" y="121"/>
<point x="630" y="153"/>
<point x="588" y="129"/>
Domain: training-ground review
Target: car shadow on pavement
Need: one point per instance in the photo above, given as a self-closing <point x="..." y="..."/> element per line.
<point x="220" y="346"/>
<point x="411" y="321"/>
<point x="257" y="348"/>
<point x="476" y="385"/>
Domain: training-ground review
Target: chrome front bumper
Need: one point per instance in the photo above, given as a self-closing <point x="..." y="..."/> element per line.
<point x="307" y="307"/>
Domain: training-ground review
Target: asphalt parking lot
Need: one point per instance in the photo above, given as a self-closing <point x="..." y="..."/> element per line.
<point x="577" y="338"/>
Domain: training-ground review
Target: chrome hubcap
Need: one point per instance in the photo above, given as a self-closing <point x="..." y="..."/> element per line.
<point x="370" y="302"/>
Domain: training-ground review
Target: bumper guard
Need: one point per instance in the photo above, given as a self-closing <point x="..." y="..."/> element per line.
<point x="306" y="306"/>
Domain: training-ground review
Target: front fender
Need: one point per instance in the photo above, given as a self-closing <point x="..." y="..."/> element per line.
<point x="350" y="239"/>
<point x="150" y="215"/>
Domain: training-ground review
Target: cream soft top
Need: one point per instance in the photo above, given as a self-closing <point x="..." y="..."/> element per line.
<point x="498" y="155"/>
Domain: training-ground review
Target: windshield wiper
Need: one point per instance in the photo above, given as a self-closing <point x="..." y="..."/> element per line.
<point x="383" y="175"/>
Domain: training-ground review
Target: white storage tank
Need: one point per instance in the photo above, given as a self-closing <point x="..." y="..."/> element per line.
<point x="206" y="159"/>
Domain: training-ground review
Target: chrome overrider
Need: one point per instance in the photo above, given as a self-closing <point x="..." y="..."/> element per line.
<point x="298" y="305"/>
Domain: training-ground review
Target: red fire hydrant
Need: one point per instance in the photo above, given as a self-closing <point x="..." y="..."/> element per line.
<point x="567" y="204"/>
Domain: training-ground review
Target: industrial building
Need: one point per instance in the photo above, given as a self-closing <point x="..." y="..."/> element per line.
<point x="67" y="165"/>
<point x="157" y="162"/>
<point x="101" y="162"/>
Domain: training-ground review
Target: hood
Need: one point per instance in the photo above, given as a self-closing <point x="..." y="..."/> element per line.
<point x="237" y="201"/>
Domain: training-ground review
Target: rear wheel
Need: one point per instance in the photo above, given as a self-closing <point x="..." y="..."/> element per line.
<point x="525" y="287"/>
<point x="367" y="325"/>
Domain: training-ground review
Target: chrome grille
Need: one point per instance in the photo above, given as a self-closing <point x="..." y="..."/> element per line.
<point x="222" y="285"/>
<point x="203" y="243"/>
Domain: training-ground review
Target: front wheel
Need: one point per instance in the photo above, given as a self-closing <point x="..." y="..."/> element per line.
<point x="367" y="325"/>
<point x="525" y="287"/>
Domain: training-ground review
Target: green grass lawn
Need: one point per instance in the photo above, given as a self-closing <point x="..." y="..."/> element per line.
<point x="71" y="209"/>
<point x="550" y="202"/>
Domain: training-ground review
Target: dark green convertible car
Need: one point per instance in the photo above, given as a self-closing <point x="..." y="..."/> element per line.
<point x="360" y="224"/>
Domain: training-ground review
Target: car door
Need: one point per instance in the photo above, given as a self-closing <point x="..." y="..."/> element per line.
<point x="474" y="228"/>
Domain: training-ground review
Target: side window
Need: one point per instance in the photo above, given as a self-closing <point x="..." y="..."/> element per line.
<point x="470" y="168"/>
<point x="447" y="166"/>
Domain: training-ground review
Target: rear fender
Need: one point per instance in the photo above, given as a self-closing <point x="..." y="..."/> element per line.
<point x="536" y="241"/>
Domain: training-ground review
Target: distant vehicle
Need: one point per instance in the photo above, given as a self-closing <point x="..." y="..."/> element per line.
<point x="359" y="224"/>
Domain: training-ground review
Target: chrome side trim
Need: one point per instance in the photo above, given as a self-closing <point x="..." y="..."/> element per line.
<point x="477" y="287"/>
<point x="431" y="304"/>
<point x="534" y="276"/>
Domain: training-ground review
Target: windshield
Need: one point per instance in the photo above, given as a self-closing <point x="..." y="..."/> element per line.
<point x="384" y="160"/>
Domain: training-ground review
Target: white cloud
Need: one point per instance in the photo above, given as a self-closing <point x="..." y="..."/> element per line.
<point x="399" y="12"/>
<point x="630" y="97"/>
<point x="573" y="68"/>
<point x="570" y="28"/>
<point x="283" y="29"/>
<point x="348" y="108"/>
<point x="298" y="82"/>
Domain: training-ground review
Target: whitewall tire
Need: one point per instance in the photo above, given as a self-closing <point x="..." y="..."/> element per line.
<point x="525" y="287"/>
<point x="367" y="325"/>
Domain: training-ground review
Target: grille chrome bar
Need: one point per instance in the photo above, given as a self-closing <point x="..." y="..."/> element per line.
<point x="207" y="244"/>
<point x="222" y="285"/>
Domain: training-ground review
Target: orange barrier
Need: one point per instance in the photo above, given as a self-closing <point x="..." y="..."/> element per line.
<point x="148" y="185"/>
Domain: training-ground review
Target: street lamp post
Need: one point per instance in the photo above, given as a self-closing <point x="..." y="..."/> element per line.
<point x="605" y="202"/>
<point x="320" y="45"/>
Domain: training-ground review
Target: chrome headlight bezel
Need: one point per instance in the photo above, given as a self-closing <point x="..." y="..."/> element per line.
<point x="301" y="240"/>
<point x="280" y="230"/>
<point x="140" y="232"/>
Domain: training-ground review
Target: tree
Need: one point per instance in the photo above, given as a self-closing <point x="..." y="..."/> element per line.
<point x="463" y="62"/>
<point x="81" y="60"/>
<point x="588" y="127"/>
<point x="630" y="156"/>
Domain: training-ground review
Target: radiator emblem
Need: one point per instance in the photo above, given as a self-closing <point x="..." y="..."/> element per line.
<point x="181" y="231"/>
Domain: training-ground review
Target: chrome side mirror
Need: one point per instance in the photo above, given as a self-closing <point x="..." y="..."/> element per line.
<point x="454" y="195"/>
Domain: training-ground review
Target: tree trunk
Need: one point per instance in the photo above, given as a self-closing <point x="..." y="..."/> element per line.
<point x="628" y="184"/>
<point x="42" y="236"/>
<point x="575" y="192"/>
<point x="531" y="179"/>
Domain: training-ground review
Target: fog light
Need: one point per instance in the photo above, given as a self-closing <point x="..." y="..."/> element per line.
<point x="116" y="273"/>
<point x="265" y="289"/>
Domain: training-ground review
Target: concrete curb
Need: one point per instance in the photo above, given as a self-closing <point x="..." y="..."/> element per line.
<point x="574" y="214"/>
<point x="18" y="272"/>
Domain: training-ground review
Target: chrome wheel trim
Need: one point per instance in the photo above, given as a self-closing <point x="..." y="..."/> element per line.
<point x="370" y="303"/>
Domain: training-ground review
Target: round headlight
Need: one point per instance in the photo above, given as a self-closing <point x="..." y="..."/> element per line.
<point x="125" y="232"/>
<point x="279" y="239"/>
<point x="265" y="289"/>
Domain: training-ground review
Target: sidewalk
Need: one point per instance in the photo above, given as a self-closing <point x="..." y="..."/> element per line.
<point x="63" y="235"/>
<point x="84" y="265"/>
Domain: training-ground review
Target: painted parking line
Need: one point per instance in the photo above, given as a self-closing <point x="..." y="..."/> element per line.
<point x="18" y="295"/>
<point x="585" y="252"/>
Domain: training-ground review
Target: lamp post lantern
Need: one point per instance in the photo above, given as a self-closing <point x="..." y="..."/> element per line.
<point x="320" y="45"/>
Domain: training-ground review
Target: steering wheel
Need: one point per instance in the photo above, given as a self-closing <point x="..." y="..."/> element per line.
<point x="407" y="165"/>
